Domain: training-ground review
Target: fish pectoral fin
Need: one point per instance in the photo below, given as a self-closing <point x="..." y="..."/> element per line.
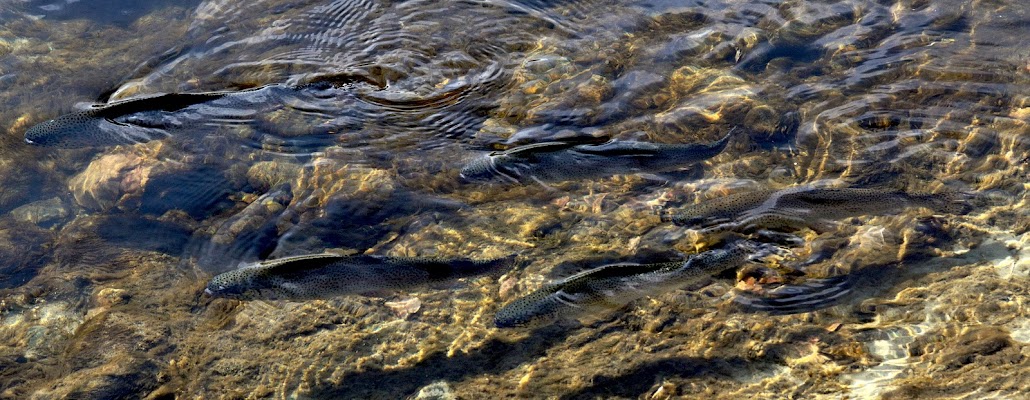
<point x="655" y="178"/>
<point x="694" y="223"/>
<point x="823" y="225"/>
<point x="447" y="284"/>
<point x="620" y="149"/>
<point x="112" y="121"/>
<point x="784" y="221"/>
<point x="530" y="150"/>
<point x="549" y="188"/>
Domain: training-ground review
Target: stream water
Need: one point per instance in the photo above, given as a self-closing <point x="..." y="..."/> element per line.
<point x="344" y="126"/>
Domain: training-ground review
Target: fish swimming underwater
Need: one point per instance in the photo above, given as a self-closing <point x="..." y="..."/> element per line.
<point x="612" y="286"/>
<point x="563" y="161"/>
<point x="115" y="123"/>
<point x="807" y="207"/>
<point x="319" y="276"/>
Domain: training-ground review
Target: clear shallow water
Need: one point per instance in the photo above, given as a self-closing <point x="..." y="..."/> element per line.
<point x="357" y="147"/>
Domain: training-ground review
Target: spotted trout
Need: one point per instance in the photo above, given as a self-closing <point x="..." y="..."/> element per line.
<point x="612" y="286"/>
<point x="563" y="161"/>
<point x="320" y="276"/>
<point x="807" y="207"/>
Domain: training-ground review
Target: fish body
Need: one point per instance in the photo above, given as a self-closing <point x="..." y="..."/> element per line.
<point x="562" y="161"/>
<point x="613" y="286"/>
<point x="320" y="276"/>
<point x="129" y="121"/>
<point x="808" y="207"/>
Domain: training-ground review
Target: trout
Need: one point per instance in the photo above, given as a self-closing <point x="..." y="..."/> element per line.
<point x="550" y="162"/>
<point x="808" y="207"/>
<point x="612" y="286"/>
<point x="320" y="276"/>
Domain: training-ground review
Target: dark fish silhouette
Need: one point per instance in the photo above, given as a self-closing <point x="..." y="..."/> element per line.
<point x="129" y="121"/>
<point x="320" y="276"/>
<point x="807" y="207"/>
<point x="563" y="161"/>
<point x="613" y="286"/>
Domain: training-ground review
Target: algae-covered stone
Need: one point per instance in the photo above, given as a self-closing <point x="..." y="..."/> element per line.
<point x="43" y="212"/>
<point x="696" y="80"/>
<point x="436" y="391"/>
<point x="266" y="175"/>
<point x="136" y="179"/>
<point x="108" y="178"/>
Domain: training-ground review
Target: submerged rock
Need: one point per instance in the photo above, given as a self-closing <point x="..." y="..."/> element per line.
<point x="267" y="175"/>
<point x="20" y="184"/>
<point x="436" y="391"/>
<point x="103" y="183"/>
<point x="135" y="178"/>
<point x="44" y="212"/>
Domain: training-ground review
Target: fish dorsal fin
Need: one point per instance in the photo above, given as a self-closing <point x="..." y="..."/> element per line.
<point x="156" y="102"/>
<point x="301" y="263"/>
<point x="621" y="149"/>
<point x="618" y="270"/>
<point x="529" y="150"/>
<point x="436" y="268"/>
<point x="452" y="268"/>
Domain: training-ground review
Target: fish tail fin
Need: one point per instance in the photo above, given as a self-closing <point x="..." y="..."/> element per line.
<point x="494" y="267"/>
<point x="505" y="264"/>
<point x="958" y="202"/>
<point x="719" y="145"/>
<point x="811" y="295"/>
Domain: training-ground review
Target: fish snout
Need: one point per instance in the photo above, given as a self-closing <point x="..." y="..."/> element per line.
<point x="221" y="291"/>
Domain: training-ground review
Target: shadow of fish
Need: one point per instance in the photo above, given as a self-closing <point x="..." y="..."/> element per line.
<point x="563" y="161"/>
<point x="807" y="207"/>
<point x="320" y="276"/>
<point x="808" y="296"/>
<point x="612" y="286"/>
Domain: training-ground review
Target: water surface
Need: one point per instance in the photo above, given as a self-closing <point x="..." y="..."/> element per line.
<point x="346" y="125"/>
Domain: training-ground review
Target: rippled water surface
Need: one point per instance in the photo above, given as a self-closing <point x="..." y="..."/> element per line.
<point x="344" y="126"/>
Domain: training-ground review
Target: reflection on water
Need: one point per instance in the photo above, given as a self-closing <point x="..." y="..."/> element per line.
<point x="115" y="12"/>
<point x="344" y="126"/>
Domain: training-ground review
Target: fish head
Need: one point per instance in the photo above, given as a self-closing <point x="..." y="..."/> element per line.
<point x="90" y="128"/>
<point x="544" y="306"/>
<point x="522" y="313"/>
<point x="477" y="169"/>
<point x="235" y="284"/>
<point x="65" y="131"/>
<point x="491" y="167"/>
